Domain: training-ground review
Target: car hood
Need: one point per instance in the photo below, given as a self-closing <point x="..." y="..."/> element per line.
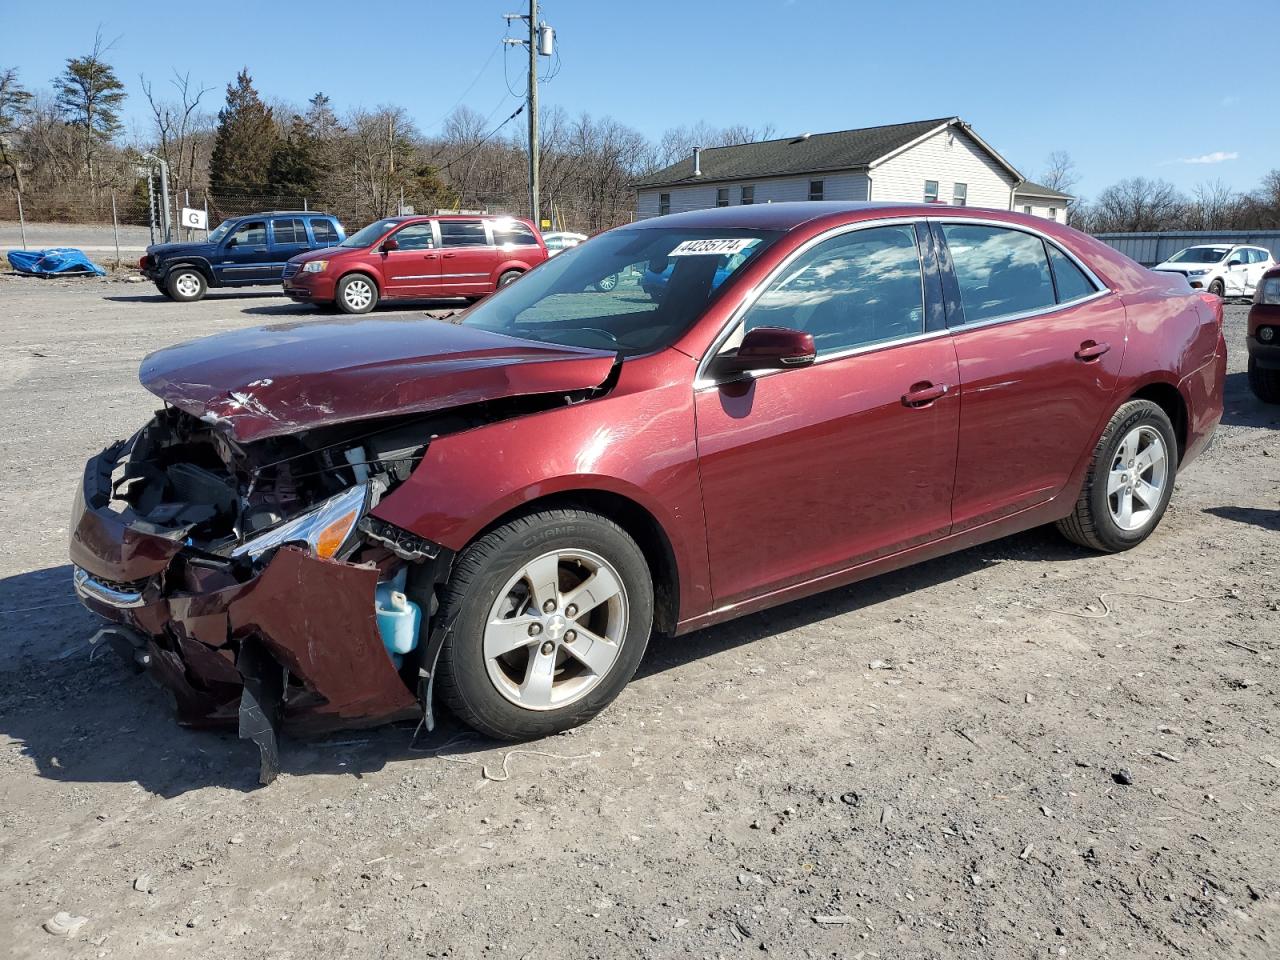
<point x="322" y="253"/>
<point x="169" y="250"/>
<point x="271" y="381"/>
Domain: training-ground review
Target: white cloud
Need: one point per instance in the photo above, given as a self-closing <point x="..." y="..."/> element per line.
<point x="1218" y="156"/>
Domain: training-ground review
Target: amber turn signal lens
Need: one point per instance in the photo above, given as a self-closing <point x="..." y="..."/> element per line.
<point x="332" y="537"/>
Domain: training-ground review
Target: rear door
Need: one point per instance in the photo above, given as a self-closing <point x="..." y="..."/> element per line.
<point x="288" y="239"/>
<point x="1039" y="343"/>
<point x="810" y="471"/>
<point x="467" y="258"/>
<point x="245" y="256"/>
<point x="413" y="268"/>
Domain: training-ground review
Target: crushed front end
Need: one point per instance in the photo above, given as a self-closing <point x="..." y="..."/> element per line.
<point x="249" y="580"/>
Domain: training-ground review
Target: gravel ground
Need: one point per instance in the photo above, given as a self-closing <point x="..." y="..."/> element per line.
<point x="969" y="758"/>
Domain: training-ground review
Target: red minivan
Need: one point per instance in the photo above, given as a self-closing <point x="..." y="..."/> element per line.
<point x="416" y="258"/>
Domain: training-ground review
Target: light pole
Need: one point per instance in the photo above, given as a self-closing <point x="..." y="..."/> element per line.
<point x="165" y="224"/>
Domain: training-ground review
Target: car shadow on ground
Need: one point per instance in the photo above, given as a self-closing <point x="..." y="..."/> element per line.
<point x="1256" y="516"/>
<point x="1242" y="409"/>
<point x="211" y="295"/>
<point x="97" y="721"/>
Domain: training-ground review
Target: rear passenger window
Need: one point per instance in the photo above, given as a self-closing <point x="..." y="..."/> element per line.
<point x="513" y="234"/>
<point x="860" y="288"/>
<point x="1001" y="272"/>
<point x="1070" y="280"/>
<point x="463" y="233"/>
<point x="289" y="231"/>
<point x="323" y="231"/>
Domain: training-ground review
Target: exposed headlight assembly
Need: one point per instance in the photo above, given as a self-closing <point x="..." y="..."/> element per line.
<point x="1196" y="273"/>
<point x="324" y="530"/>
<point x="315" y="266"/>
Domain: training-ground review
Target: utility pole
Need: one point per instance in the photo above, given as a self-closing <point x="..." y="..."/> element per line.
<point x="540" y="43"/>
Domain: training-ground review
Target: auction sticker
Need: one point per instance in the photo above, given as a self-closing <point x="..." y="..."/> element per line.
<point x="718" y="248"/>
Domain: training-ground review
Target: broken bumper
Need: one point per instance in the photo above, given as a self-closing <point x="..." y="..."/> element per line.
<point x="205" y="629"/>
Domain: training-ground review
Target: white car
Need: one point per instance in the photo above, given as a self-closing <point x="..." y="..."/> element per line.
<point x="561" y="241"/>
<point x="1221" y="268"/>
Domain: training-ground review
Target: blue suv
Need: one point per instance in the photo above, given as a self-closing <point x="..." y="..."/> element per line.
<point x="242" y="252"/>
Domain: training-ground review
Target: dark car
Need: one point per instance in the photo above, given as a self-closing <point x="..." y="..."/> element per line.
<point x="330" y="524"/>
<point x="242" y="252"/>
<point x="417" y="258"/>
<point x="1263" y="338"/>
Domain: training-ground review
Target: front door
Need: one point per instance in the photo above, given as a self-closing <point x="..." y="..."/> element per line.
<point x="810" y="471"/>
<point x="1039" y="344"/>
<point x="468" y="258"/>
<point x="413" y="268"/>
<point x="1235" y="276"/>
<point x="245" y="256"/>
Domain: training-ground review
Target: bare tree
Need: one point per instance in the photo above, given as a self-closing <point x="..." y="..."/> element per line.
<point x="1213" y="206"/>
<point x="1060" y="172"/>
<point x="181" y="130"/>
<point x="15" y="111"/>
<point x="677" y="143"/>
<point x="1137" y="204"/>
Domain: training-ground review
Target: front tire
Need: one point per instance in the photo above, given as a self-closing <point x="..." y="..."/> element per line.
<point x="1264" y="383"/>
<point x="553" y="614"/>
<point x="1129" y="482"/>
<point x="356" y="293"/>
<point x="186" y="285"/>
<point x="605" y="284"/>
<point x="1218" y="289"/>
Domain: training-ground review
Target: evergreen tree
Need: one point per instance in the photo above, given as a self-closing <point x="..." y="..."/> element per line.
<point x="89" y="96"/>
<point x="295" y="169"/>
<point x="245" y="142"/>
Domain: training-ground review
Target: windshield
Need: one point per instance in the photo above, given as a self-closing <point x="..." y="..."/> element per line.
<point x="366" y="236"/>
<point x="1200" y="255"/>
<point x="628" y="290"/>
<point x="220" y="231"/>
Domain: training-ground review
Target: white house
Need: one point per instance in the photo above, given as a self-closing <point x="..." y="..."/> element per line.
<point x="1041" y="201"/>
<point x="934" y="161"/>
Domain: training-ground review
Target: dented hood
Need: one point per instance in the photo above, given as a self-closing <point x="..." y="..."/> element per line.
<point x="270" y="381"/>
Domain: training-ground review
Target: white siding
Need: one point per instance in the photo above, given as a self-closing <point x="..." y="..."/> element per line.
<point x="698" y="196"/>
<point x="1041" y="206"/>
<point x="950" y="156"/>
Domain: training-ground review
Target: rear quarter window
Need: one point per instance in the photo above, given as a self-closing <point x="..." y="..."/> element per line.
<point x="324" y="231"/>
<point x="513" y="235"/>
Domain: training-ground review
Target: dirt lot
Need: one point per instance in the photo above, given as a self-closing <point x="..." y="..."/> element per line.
<point x="968" y="758"/>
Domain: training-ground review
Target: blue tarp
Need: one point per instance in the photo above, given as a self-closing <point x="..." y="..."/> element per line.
<point x="58" y="261"/>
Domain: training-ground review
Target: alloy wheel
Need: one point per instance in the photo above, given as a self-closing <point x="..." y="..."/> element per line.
<point x="357" y="294"/>
<point x="556" y="629"/>
<point x="1136" y="482"/>
<point x="188" y="285"/>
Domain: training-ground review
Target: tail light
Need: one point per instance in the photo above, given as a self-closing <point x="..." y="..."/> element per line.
<point x="144" y="262"/>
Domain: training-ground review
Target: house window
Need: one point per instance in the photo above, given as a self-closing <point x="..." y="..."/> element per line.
<point x="664" y="204"/>
<point x="931" y="191"/>
<point x="815" y="189"/>
<point x="1027" y="209"/>
<point x="749" y="194"/>
<point x="722" y="197"/>
<point x="960" y="195"/>
<point x="1053" y="213"/>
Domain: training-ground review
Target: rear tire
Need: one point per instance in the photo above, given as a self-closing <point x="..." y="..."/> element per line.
<point x="356" y="293"/>
<point x="1264" y="383"/>
<point x="1129" y="483"/>
<point x="186" y="285"/>
<point x="489" y="672"/>
<point x="509" y="277"/>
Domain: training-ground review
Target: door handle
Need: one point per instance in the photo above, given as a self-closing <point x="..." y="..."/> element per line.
<point x="1091" y="350"/>
<point x="924" y="393"/>
<point x="428" y="256"/>
<point x="448" y="255"/>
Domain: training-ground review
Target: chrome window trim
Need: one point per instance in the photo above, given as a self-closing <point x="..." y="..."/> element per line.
<point x="1101" y="291"/>
<point x="749" y="299"/>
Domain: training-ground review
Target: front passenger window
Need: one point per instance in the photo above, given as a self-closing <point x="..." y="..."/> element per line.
<point x="416" y="236"/>
<point x="860" y="288"/>
<point x="252" y="234"/>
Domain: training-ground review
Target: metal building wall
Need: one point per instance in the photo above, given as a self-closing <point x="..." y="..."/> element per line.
<point x="1152" y="248"/>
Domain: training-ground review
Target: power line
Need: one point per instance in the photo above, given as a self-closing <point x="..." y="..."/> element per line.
<point x="474" y="80"/>
<point x="519" y="110"/>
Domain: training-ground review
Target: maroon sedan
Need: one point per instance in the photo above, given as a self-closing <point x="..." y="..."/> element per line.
<point x="416" y="258"/>
<point x="1263" y="338"/>
<point x="329" y="524"/>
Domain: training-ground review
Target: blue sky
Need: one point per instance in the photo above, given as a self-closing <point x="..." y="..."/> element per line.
<point x="1127" y="88"/>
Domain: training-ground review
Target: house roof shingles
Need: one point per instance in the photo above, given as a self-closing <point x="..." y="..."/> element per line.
<point x="1033" y="189"/>
<point x="842" y="150"/>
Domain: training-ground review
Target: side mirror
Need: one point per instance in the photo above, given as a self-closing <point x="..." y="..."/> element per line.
<point x="389" y="245"/>
<point x="767" y="348"/>
<point x="1235" y="262"/>
<point x="231" y="242"/>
